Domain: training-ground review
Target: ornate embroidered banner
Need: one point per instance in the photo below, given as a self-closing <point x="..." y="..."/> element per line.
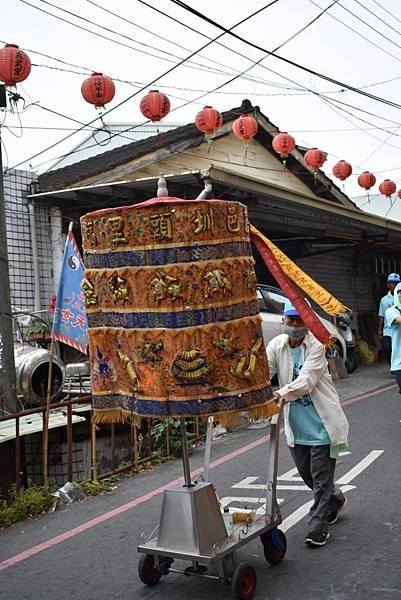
<point x="174" y="326"/>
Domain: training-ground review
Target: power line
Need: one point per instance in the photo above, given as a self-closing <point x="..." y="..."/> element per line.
<point x="254" y="63"/>
<point x="148" y="31"/>
<point x="100" y="35"/>
<point x="259" y="81"/>
<point x="311" y="91"/>
<point x="170" y="70"/>
<point x="377" y="17"/>
<point x="366" y="39"/>
<point x="286" y="60"/>
<point x="109" y="127"/>
<point x="370" y="26"/>
<point x="198" y="66"/>
<point x="387" y="11"/>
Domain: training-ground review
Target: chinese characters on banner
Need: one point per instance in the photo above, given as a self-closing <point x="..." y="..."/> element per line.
<point x="70" y="324"/>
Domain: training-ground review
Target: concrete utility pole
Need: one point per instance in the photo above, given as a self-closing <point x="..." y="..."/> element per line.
<point x="8" y="396"/>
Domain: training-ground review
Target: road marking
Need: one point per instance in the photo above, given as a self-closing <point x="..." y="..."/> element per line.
<point x="248" y="484"/>
<point x="291" y="475"/>
<point x="303" y="510"/>
<point x="361" y="466"/>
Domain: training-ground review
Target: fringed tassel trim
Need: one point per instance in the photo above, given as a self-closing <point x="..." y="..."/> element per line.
<point x="233" y="419"/>
<point x="115" y="415"/>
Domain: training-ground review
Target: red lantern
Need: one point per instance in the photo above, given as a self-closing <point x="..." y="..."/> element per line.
<point x="315" y="158"/>
<point x="208" y="120"/>
<point x="283" y="144"/>
<point x="342" y="170"/>
<point x="245" y="128"/>
<point x="366" y="180"/>
<point x="15" y="65"/>
<point x="399" y="194"/>
<point x="155" y="105"/>
<point x="98" y="89"/>
<point x="387" y="187"/>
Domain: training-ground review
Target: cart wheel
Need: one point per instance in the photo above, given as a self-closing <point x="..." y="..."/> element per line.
<point x="274" y="546"/>
<point x="147" y="571"/>
<point x="243" y="582"/>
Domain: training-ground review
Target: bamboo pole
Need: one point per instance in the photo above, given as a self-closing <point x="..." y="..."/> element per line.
<point x="46" y="417"/>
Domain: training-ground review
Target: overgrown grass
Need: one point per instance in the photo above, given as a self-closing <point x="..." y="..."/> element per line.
<point x="94" y="488"/>
<point x="27" y="502"/>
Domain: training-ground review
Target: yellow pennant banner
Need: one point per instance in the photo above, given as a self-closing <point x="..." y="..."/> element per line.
<point x="316" y="292"/>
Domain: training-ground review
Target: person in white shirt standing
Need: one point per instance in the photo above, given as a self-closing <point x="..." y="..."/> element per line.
<point x="316" y="427"/>
<point x="384" y="331"/>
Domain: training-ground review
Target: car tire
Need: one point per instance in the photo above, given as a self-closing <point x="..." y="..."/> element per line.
<point x="352" y="361"/>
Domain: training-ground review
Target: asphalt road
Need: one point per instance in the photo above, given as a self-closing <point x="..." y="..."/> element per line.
<point x="89" y="550"/>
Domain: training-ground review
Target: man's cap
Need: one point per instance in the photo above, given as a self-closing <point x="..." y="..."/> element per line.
<point x="290" y="310"/>
<point x="394" y="278"/>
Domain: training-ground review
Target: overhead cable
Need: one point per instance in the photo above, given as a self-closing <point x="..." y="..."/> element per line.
<point x="170" y="70"/>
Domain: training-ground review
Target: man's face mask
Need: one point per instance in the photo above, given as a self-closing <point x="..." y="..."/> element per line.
<point x="296" y="333"/>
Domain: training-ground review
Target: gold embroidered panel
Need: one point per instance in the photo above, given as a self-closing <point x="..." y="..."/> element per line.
<point x="164" y="224"/>
<point x="174" y="326"/>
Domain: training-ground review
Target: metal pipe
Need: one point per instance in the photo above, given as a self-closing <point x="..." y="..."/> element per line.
<point x="272" y="466"/>
<point x="17" y="455"/>
<point x="193" y="573"/>
<point x="208" y="449"/>
<point x="167" y="432"/>
<point x="93" y="450"/>
<point x="40" y="409"/>
<point x="69" y="442"/>
<point x="185" y="455"/>
<point x="35" y="260"/>
<point x="113" y="445"/>
<point x="149" y="435"/>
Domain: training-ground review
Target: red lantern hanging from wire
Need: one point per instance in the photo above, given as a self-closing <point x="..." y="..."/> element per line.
<point x="208" y="120"/>
<point x="342" y="170"/>
<point x="155" y="106"/>
<point x="15" y="65"/>
<point x="315" y="158"/>
<point x="98" y="89"/>
<point x="283" y="143"/>
<point x="366" y="180"/>
<point x="399" y="194"/>
<point x="245" y="128"/>
<point x="387" y="188"/>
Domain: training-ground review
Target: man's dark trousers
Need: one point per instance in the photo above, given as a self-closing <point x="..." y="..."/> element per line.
<point x="317" y="470"/>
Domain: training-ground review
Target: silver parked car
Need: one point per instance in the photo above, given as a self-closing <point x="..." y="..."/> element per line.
<point x="271" y="306"/>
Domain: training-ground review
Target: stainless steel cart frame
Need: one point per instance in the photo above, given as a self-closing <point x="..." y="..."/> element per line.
<point x="192" y="527"/>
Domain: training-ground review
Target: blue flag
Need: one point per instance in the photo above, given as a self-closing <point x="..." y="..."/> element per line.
<point x="70" y="324"/>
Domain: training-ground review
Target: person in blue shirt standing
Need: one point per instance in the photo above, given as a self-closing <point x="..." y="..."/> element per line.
<point x="384" y="331"/>
<point x="393" y="321"/>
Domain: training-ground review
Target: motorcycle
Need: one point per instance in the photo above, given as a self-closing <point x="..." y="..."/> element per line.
<point x="343" y="323"/>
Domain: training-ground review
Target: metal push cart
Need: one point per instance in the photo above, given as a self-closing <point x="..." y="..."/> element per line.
<point x="192" y="528"/>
